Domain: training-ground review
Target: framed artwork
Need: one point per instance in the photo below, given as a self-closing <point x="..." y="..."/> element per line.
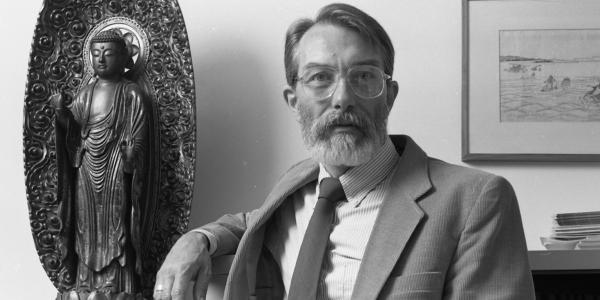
<point x="531" y="80"/>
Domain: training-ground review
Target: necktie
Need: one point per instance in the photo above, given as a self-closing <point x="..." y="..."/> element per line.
<point x="305" y="278"/>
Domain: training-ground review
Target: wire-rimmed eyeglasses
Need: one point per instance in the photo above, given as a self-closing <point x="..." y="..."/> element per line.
<point x="366" y="81"/>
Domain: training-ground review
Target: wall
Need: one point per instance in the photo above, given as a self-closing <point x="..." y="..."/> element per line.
<point x="246" y="135"/>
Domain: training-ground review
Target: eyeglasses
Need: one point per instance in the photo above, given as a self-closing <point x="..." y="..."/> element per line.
<point x="365" y="81"/>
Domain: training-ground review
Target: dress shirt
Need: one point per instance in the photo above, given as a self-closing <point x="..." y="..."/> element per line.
<point x="365" y="187"/>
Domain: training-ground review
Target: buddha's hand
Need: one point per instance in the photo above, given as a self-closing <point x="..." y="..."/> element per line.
<point x="127" y="153"/>
<point x="187" y="263"/>
<point x="57" y="101"/>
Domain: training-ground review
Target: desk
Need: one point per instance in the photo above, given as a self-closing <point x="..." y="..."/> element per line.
<point x="566" y="274"/>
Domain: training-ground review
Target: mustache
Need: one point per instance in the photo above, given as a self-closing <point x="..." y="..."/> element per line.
<point x="334" y="119"/>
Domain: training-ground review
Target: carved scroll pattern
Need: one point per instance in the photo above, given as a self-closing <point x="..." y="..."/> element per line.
<point x="56" y="62"/>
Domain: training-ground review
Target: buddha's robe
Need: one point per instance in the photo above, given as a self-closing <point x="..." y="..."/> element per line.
<point x="107" y="191"/>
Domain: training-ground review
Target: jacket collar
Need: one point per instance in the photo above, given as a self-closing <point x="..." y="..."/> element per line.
<point x="252" y="241"/>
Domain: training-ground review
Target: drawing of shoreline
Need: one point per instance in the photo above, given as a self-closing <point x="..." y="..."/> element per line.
<point x="550" y="75"/>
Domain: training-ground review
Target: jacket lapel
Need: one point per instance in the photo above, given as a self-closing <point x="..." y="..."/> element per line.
<point x="398" y="217"/>
<point x="297" y="177"/>
<point x="252" y="243"/>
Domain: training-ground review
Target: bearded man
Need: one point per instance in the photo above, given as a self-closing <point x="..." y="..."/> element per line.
<point x="368" y="216"/>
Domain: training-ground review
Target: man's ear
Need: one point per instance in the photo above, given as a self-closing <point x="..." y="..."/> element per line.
<point x="289" y="95"/>
<point x="391" y="94"/>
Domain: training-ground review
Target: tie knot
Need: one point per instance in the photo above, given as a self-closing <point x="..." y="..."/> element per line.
<point x="331" y="189"/>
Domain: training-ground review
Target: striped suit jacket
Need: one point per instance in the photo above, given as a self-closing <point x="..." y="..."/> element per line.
<point x="443" y="232"/>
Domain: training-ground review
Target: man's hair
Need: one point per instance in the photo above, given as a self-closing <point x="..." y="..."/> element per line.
<point x="345" y="16"/>
<point x="109" y="36"/>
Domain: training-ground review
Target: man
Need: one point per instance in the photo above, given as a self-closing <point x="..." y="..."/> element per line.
<point x="102" y="141"/>
<point x="407" y="226"/>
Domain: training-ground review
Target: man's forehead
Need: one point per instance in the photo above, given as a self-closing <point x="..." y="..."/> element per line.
<point x="332" y="45"/>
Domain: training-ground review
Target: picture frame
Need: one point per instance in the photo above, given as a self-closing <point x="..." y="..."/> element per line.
<point x="531" y="80"/>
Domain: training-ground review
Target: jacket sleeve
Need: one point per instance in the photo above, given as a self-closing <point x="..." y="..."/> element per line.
<point x="227" y="232"/>
<point x="491" y="260"/>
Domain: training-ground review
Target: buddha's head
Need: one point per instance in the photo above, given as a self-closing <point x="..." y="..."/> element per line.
<point x="109" y="54"/>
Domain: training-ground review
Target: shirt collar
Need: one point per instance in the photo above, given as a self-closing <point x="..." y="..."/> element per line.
<point x="358" y="181"/>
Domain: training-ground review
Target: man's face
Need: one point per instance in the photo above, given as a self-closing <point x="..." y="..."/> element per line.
<point x="343" y="129"/>
<point x="107" y="59"/>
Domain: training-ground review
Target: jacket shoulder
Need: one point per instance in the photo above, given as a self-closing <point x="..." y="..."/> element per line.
<point x="439" y="169"/>
<point x="302" y="165"/>
<point x="298" y="171"/>
<point x="468" y="184"/>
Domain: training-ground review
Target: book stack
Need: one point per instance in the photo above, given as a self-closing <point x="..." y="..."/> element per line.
<point x="581" y="229"/>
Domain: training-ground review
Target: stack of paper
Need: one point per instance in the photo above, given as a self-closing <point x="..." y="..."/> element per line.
<point x="581" y="229"/>
<point x="590" y="242"/>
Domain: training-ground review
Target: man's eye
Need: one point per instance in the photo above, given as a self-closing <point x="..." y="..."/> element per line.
<point x="320" y="77"/>
<point x="108" y="53"/>
<point x="365" y="75"/>
<point x="95" y="53"/>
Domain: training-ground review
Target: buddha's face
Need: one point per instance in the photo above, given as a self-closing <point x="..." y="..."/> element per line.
<point x="107" y="59"/>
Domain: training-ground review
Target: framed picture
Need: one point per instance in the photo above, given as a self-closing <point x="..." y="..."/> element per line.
<point x="531" y="80"/>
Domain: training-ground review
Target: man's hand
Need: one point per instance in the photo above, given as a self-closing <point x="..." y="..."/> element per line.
<point x="187" y="261"/>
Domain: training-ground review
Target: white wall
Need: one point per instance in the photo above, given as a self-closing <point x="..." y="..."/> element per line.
<point x="246" y="135"/>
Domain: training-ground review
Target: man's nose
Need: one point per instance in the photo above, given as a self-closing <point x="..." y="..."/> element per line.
<point x="101" y="58"/>
<point x="343" y="97"/>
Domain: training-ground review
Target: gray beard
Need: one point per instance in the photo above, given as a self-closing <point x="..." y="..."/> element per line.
<point x="346" y="148"/>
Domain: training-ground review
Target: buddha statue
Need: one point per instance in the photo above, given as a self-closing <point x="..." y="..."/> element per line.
<point x="102" y="139"/>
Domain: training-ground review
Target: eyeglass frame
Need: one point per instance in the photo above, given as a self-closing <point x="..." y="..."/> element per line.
<point x="385" y="78"/>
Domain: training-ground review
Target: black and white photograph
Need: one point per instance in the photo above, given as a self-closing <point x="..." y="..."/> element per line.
<point x="294" y="150"/>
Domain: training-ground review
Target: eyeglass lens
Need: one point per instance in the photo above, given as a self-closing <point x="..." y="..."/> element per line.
<point x="365" y="81"/>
